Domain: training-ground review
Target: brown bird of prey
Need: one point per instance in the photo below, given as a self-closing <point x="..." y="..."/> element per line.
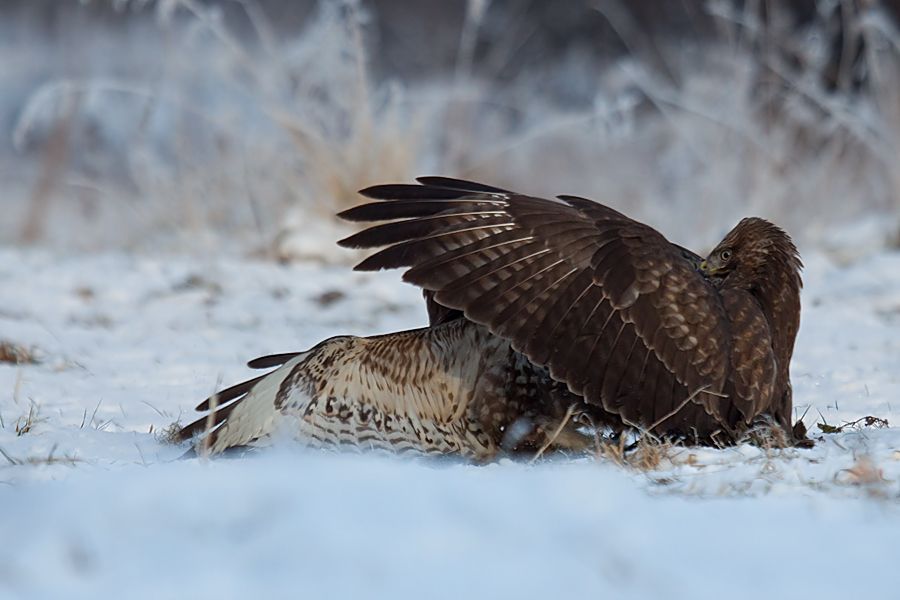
<point x="536" y="306"/>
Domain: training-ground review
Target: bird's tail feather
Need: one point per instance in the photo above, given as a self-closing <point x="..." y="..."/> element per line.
<point x="240" y="414"/>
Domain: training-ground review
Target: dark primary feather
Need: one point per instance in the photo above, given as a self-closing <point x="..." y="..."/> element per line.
<point x="459" y="184"/>
<point x="410" y="191"/>
<point x="272" y="360"/>
<point x="610" y="306"/>
<point x="402" y="209"/>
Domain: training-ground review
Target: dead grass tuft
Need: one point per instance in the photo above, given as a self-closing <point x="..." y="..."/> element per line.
<point x="169" y="434"/>
<point x="17" y="354"/>
<point x="648" y="453"/>
<point x="26" y="423"/>
<point x="768" y="436"/>
<point x="50" y="459"/>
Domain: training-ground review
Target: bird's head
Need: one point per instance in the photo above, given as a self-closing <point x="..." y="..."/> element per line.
<point x="749" y="252"/>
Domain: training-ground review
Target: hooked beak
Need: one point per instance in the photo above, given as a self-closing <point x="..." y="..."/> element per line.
<point x="710" y="272"/>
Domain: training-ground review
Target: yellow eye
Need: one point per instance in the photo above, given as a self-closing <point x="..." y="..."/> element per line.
<point x="725" y="255"/>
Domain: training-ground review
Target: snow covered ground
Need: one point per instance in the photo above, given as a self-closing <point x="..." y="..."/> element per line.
<point x="95" y="505"/>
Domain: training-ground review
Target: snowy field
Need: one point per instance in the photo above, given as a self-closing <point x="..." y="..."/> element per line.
<point x="96" y="505"/>
<point x="130" y="126"/>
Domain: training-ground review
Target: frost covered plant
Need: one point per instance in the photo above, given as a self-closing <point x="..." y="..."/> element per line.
<point x="252" y="141"/>
<point x="26" y="422"/>
<point x="233" y="140"/>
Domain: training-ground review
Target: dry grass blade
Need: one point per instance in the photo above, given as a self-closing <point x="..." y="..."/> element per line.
<point x="85" y="421"/>
<point x="11" y="460"/>
<point x="210" y="425"/>
<point x="553" y="437"/>
<point x="697" y="392"/>
<point x="648" y="431"/>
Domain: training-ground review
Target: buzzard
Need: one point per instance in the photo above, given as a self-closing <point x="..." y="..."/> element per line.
<point x="538" y="307"/>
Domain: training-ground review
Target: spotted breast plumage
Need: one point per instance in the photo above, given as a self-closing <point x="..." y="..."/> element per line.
<point x="537" y="306"/>
<point x="452" y="388"/>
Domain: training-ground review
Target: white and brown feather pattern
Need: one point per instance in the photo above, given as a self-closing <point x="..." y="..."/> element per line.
<point x="451" y="389"/>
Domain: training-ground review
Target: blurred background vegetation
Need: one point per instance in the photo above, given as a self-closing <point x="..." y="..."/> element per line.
<point x="241" y="126"/>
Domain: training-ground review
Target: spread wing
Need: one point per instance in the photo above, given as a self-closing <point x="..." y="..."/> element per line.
<point x="610" y="306"/>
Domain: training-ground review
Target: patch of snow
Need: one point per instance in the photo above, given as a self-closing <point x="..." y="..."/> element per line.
<point x="95" y="505"/>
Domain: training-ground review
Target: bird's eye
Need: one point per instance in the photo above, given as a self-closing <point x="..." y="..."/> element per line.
<point x="725" y="255"/>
